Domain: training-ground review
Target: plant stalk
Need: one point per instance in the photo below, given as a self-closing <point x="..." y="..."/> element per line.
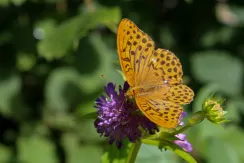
<point x="134" y="151"/>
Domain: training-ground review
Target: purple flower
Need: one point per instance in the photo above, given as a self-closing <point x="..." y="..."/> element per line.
<point x="118" y="117"/>
<point x="183" y="142"/>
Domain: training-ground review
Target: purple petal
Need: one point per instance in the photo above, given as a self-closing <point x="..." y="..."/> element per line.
<point x="183" y="143"/>
<point x="110" y="89"/>
<point x="117" y="119"/>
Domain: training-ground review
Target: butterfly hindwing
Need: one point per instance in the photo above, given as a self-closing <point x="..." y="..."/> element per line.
<point x="167" y="66"/>
<point x="161" y="112"/>
<point x="180" y="94"/>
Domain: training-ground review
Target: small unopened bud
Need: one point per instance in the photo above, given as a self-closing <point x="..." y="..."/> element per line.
<point x="214" y="111"/>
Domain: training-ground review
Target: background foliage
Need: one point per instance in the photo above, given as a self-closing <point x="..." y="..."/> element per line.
<point x="52" y="53"/>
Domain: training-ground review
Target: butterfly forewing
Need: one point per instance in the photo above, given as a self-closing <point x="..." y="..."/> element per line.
<point x="167" y="66"/>
<point x="134" y="49"/>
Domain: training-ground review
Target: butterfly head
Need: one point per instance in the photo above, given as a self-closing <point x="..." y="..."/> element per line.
<point x="130" y="93"/>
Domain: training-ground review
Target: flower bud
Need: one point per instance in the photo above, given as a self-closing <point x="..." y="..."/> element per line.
<point x="214" y="111"/>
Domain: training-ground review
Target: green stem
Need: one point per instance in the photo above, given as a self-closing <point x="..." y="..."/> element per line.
<point x="196" y="118"/>
<point x="182" y="129"/>
<point x="134" y="151"/>
<point x="151" y="142"/>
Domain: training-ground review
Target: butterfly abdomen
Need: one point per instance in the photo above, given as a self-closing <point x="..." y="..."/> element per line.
<point x="151" y="90"/>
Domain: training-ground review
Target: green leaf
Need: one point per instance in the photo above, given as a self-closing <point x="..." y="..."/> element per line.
<point x="4" y="3"/>
<point x="238" y="13"/>
<point x="220" y="151"/>
<point x="213" y="37"/>
<point x="238" y="102"/>
<point x="44" y="28"/>
<point x="91" y="81"/>
<point x="5" y="154"/>
<point x="36" y="149"/>
<point x="92" y="115"/>
<point x="114" y="155"/>
<point x="233" y="111"/>
<point x="25" y="61"/>
<point x="62" y="89"/>
<point x="5" y="37"/>
<point x="149" y="153"/>
<point x="208" y="129"/>
<point x="60" y="41"/>
<point x="60" y="120"/>
<point x="78" y="152"/>
<point x="202" y="95"/>
<point x="18" y="2"/>
<point x="176" y="149"/>
<point x="231" y="15"/>
<point x="233" y="136"/>
<point x="219" y="68"/>
<point x="180" y="152"/>
<point x="10" y="88"/>
<point x="167" y="38"/>
<point x="88" y="132"/>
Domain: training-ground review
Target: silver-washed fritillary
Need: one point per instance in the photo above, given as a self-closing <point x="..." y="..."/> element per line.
<point x="155" y="76"/>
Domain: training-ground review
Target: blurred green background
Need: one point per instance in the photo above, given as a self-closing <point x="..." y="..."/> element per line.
<point x="52" y="53"/>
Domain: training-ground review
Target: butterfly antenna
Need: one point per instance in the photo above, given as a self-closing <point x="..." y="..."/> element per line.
<point x="122" y="104"/>
<point x="104" y="77"/>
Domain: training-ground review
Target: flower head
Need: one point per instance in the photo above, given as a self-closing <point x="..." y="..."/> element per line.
<point x="118" y="118"/>
<point x="182" y="141"/>
<point x="213" y="111"/>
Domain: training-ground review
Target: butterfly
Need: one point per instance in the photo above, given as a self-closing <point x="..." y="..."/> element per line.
<point x="154" y="76"/>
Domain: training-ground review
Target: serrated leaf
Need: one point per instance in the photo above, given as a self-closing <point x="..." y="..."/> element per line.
<point x="59" y="42"/>
<point x="219" y="68"/>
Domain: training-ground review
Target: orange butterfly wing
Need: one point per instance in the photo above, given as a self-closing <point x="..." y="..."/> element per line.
<point x="134" y="48"/>
<point x="156" y="76"/>
<point x="164" y="113"/>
